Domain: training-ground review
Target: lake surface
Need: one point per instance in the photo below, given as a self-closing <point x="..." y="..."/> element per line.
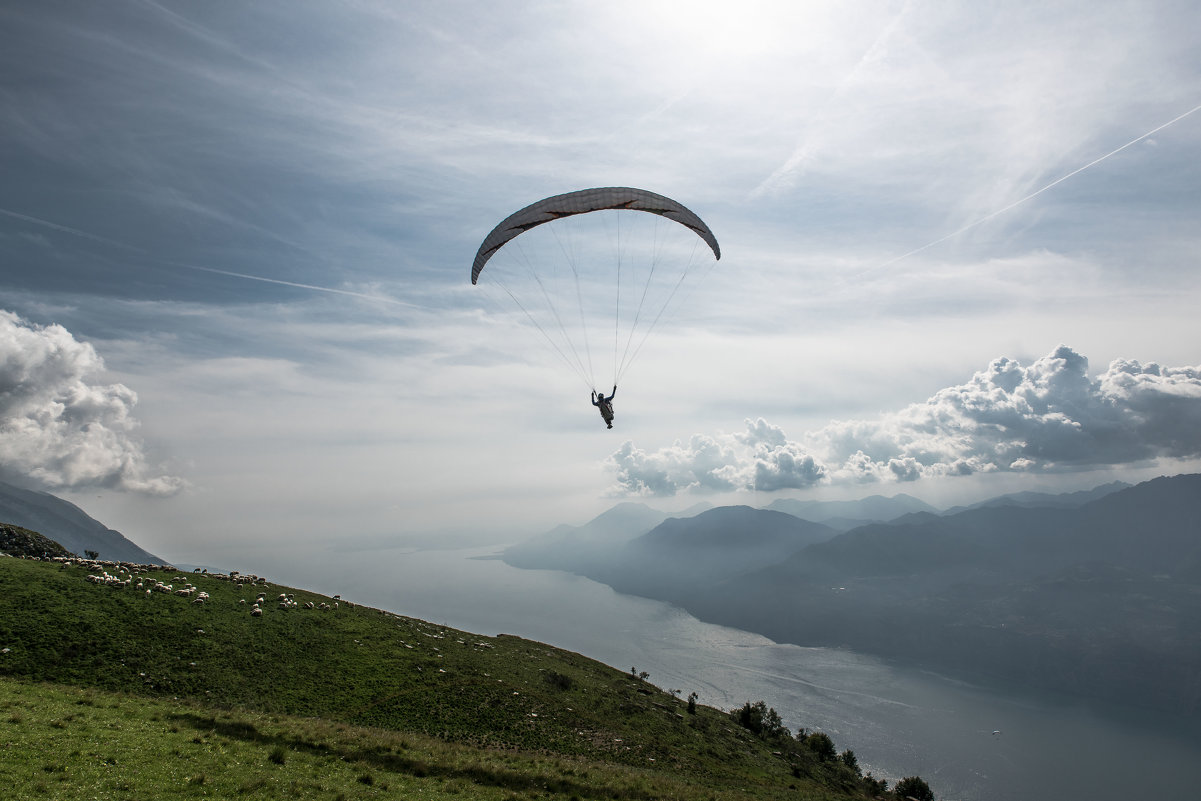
<point x="968" y="743"/>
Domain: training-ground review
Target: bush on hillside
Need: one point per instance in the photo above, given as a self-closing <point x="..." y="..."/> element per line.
<point x="821" y="745"/>
<point x="761" y="720"/>
<point x="913" y="787"/>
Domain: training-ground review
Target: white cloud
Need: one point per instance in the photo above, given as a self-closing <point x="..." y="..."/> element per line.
<point x="1048" y="416"/>
<point x="56" y="428"/>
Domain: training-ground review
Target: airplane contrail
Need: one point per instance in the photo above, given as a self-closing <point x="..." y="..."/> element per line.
<point x="1037" y="192"/>
<point x="331" y="290"/>
<point x="245" y="276"/>
<point x="68" y="230"/>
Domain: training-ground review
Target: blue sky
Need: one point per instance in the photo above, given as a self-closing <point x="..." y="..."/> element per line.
<point x="235" y="241"/>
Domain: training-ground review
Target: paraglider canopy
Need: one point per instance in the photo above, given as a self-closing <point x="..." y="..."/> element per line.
<point x="582" y="202"/>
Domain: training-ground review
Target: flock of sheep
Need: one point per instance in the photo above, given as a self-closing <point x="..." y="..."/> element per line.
<point x="286" y="601"/>
<point x="127" y="574"/>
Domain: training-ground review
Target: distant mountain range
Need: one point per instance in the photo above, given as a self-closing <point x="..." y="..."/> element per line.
<point x="845" y="515"/>
<point x="678" y="554"/>
<point x="1096" y="594"/>
<point x="1063" y="500"/>
<point x="569" y="548"/>
<point x="581" y="549"/>
<point x="68" y="525"/>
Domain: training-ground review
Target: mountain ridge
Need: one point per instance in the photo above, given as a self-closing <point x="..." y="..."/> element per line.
<point x="1087" y="595"/>
<point x="68" y="525"/>
<point x="712" y="546"/>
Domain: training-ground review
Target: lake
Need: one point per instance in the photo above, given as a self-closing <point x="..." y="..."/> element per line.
<point x="967" y="742"/>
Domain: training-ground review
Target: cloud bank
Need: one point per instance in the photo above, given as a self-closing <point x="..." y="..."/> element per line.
<point x="1049" y="416"/>
<point x="56" y="429"/>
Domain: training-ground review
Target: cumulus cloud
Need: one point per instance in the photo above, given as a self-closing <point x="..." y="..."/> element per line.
<point x="57" y="429"/>
<point x="1048" y="416"/>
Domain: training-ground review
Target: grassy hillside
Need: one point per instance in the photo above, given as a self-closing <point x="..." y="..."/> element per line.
<point x="347" y="701"/>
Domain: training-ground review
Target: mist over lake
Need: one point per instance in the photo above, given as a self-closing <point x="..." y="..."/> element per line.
<point x="899" y="721"/>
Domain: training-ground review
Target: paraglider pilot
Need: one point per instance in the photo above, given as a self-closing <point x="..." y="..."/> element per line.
<point x="605" y="404"/>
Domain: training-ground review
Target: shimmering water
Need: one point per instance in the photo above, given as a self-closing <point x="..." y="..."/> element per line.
<point x="899" y="721"/>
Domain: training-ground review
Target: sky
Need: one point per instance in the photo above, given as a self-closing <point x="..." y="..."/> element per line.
<point x="959" y="258"/>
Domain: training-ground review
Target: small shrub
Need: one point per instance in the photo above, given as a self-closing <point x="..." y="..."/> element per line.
<point x="759" y="719"/>
<point x="875" y="786"/>
<point x="558" y="680"/>
<point x="913" y="787"/>
<point x="277" y="755"/>
<point x="822" y="746"/>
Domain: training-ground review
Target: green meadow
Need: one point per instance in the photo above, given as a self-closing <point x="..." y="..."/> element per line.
<point x="111" y="691"/>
